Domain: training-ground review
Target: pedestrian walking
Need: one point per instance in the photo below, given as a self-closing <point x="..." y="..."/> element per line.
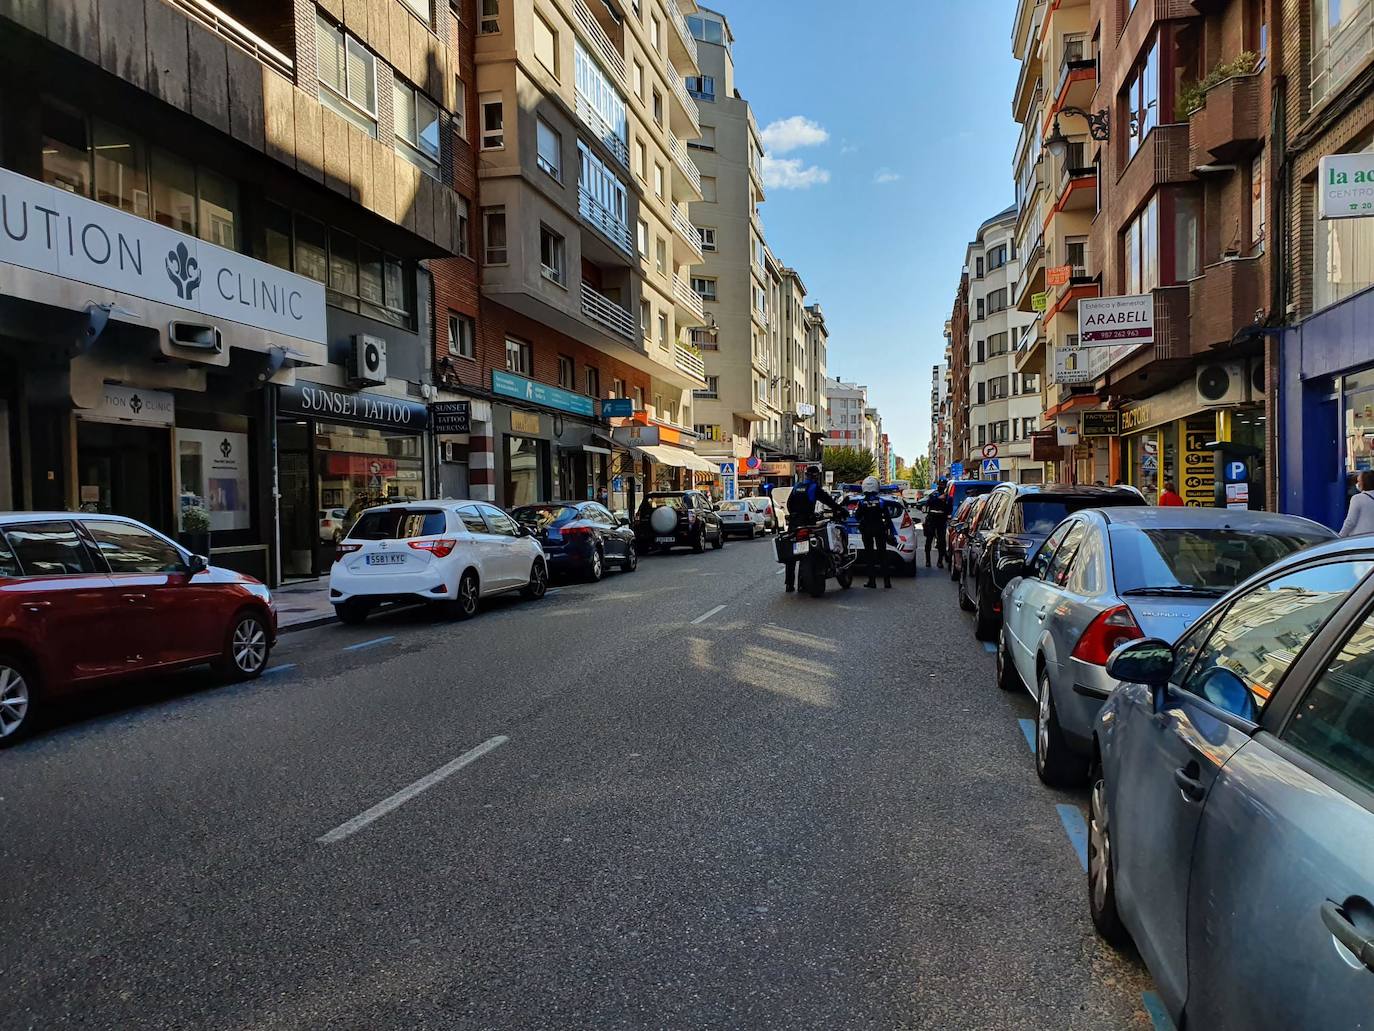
<point x="1360" y="519"/>
<point x="876" y="529"/>
<point x="1169" y="496"/>
<point x="936" y="523"/>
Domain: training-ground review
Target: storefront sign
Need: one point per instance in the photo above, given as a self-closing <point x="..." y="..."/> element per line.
<point x="1116" y="321"/>
<point x="1040" y="302"/>
<point x="1345" y="186"/>
<point x="1169" y="406"/>
<point x="775" y="469"/>
<point x="617" y="407"/>
<point x="1044" y="447"/>
<point x="1101" y="424"/>
<point x="349" y="406"/>
<point x="129" y="404"/>
<point x="525" y="422"/>
<point x="805" y="411"/>
<point x="637" y="436"/>
<point x="1071" y="365"/>
<point x="51" y="230"/>
<point x="1066" y="430"/>
<point x="451" y="416"/>
<point x="1199" y="465"/>
<point x="1238" y="495"/>
<point x="1058" y="275"/>
<point x="212" y="469"/>
<point x="510" y="385"/>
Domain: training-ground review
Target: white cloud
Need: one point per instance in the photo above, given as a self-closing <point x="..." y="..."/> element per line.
<point x="883" y="176"/>
<point x="849" y="148"/>
<point x="791" y="174"/>
<point x="789" y="134"/>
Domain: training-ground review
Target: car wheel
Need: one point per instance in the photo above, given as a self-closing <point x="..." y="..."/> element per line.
<point x="539" y="581"/>
<point x="1102" y="867"/>
<point x="985" y="625"/>
<point x="18" y="686"/>
<point x="246" y="650"/>
<point x="964" y="602"/>
<point x="1055" y="765"/>
<point x="699" y="541"/>
<point x="469" y="596"/>
<point x="631" y="562"/>
<point x="719" y="542"/>
<point x="1007" y="677"/>
<point x="596" y="569"/>
<point x="352" y="612"/>
<point x="953" y="573"/>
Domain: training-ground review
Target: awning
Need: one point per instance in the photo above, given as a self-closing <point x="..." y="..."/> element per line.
<point x="591" y="449"/>
<point x="702" y="465"/>
<point x="665" y="455"/>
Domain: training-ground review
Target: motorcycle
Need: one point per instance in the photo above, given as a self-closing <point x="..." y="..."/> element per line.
<point x="822" y="552"/>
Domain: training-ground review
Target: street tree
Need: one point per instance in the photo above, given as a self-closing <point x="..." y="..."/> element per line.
<point x="919" y="473"/>
<point x="849" y="464"/>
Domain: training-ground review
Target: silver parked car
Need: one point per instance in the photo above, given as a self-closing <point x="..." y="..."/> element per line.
<point x="1107" y="576"/>
<point x="1231" y="833"/>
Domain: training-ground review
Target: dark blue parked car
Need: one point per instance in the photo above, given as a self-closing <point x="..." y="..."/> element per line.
<point x="580" y="538"/>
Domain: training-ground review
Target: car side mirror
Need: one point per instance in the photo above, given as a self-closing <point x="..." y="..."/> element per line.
<point x="197" y="564"/>
<point x="1009" y="567"/>
<point x="1149" y="662"/>
<point x="622" y="519"/>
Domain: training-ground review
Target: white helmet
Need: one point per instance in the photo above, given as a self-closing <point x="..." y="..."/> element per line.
<point x="870" y="485"/>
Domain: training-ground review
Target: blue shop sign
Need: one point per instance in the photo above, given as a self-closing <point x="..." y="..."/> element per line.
<point x="510" y="385"/>
<point x="617" y="407"/>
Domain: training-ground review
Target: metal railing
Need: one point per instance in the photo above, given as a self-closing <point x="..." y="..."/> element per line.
<point x="684" y="161"/>
<point x="684" y="226"/>
<point x="602" y="129"/>
<point x="688" y="298"/>
<point x="236" y="32"/>
<point x="1344" y="50"/>
<point x="601" y="43"/>
<point x="691" y="362"/>
<point x="684" y="98"/>
<point x="604" y="311"/>
<point x="604" y="221"/>
<point x="685" y="34"/>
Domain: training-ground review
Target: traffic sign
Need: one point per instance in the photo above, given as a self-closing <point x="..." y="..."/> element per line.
<point x="991" y="465"/>
<point x="989" y="450"/>
<point x="956" y="470"/>
<point x="1237" y="472"/>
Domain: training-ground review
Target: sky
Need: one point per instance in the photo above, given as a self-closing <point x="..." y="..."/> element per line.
<point x="891" y="142"/>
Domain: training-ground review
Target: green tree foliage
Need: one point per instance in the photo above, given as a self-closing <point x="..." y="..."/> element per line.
<point x="849" y="464"/>
<point x="919" y="473"/>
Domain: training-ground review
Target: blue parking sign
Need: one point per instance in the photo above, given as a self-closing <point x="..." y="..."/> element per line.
<point x="1237" y="472"/>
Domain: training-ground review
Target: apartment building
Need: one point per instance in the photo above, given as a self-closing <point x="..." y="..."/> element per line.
<point x="1003" y="403"/>
<point x="957" y="359"/>
<point x="812" y="424"/>
<point x="1323" y="431"/>
<point x="845" y="420"/>
<point x="239" y="316"/>
<point x="939" y="418"/>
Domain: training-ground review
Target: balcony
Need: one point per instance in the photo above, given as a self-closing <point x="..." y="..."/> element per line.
<point x="688" y="301"/>
<point x="761" y="317"/>
<point x="685" y="104"/>
<point x="1077" y="181"/>
<point x="682" y="46"/>
<point x="1227" y="126"/>
<point x="1223" y="299"/>
<point x="604" y="221"/>
<point x="602" y="129"/>
<point x="1077" y="75"/>
<point x="223" y="24"/>
<point x="687" y="233"/>
<point x="606" y="53"/>
<point x="689" y="361"/>
<point x="685" y="166"/>
<point x="607" y="313"/>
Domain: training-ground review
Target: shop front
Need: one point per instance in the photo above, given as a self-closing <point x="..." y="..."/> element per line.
<point x="547" y="442"/>
<point x="340" y="452"/>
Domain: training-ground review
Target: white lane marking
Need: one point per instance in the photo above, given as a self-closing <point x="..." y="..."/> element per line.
<point x="707" y="615"/>
<point x="403" y="796"/>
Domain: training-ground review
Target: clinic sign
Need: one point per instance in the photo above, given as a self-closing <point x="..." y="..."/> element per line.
<point x="508" y="384"/>
<point x="1116" y="321"/>
<point x="50" y="230"/>
<point x="1345" y="186"/>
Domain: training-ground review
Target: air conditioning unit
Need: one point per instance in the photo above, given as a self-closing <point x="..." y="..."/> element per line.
<point x="1223" y="383"/>
<point x="1257" y="379"/>
<point x="367" y="360"/>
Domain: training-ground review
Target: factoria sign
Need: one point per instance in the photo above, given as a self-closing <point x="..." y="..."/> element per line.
<point x="50" y="230"/>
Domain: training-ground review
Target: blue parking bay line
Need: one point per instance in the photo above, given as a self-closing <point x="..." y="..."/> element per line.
<point x="1028" y="728"/>
<point x="990" y="647"/>
<point x="1159" y="1016"/>
<point x="284" y="667"/>
<point x="369" y="644"/>
<point x="1077" y="829"/>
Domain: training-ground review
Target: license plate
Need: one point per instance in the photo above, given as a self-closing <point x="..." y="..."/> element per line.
<point x="856" y="541"/>
<point x="801" y="549"/>
<point x="385" y="560"/>
<point x="666" y="540"/>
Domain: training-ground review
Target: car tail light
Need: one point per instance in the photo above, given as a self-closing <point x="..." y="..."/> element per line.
<point x="439" y="549"/>
<point x="1105" y="634"/>
<point x="345" y="549"/>
<point x="578" y="531"/>
<point x="906" y="521"/>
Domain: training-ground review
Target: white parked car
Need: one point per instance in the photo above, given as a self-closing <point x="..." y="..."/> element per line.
<point x="453" y="553"/>
<point x="742" y="518"/>
<point x="332" y="524"/>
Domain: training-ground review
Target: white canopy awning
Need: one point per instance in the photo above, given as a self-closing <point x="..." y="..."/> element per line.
<point x="665" y="455"/>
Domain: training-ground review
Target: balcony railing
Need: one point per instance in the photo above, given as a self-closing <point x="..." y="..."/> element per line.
<point x="680" y="91"/>
<point x="1343" y="51"/>
<point x="601" y="43"/>
<point x="604" y="311"/>
<point x="1076" y="57"/>
<point x="684" y="226"/>
<point x="602" y="129"/>
<point x="684" y="162"/>
<point x="680" y="23"/>
<point x="237" y="33"/>
<point x="688" y="298"/>
<point x="690" y="361"/>
<point x="604" y="221"/>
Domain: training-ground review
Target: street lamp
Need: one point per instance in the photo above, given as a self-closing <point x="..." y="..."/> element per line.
<point x="1099" y="128"/>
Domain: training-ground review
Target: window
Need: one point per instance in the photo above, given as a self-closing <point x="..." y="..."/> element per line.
<point x="708" y="189"/>
<point x="519" y="357"/>
<point x="1140" y="101"/>
<point x="1187" y="237"/>
<point x="464" y="226"/>
<point x="132" y="549"/>
<point x="49" y="549"/>
<point x="707" y="30"/>
<point x="658" y="180"/>
<point x="661" y="256"/>
<point x="462" y="336"/>
<point x="472" y="520"/>
<point x="712" y="388"/>
<point x="1334" y="724"/>
<point x="1142" y="250"/>
<point x="567" y="373"/>
<point x="707" y="141"/>
<point x="708" y="237"/>
<point x="348" y="71"/>
<point x="1028" y="427"/>
<point x="416" y="120"/>
<point x="980" y="351"/>
<point x="491" y="11"/>
<point x="593" y="382"/>
<point x="639" y="399"/>
<point x="708" y="431"/>
<point x="997" y="344"/>
<point x="1257" y="204"/>
<point x="658" y="405"/>
<point x="705" y="287"/>
<point x="981" y="308"/>
<point x="1263" y="632"/>
<point x="646" y="317"/>
<point x="494" y="235"/>
<point x="1342" y="256"/>
<point x="493" y="122"/>
<point x="174" y="192"/>
<point x="639" y="80"/>
<point x="703" y="87"/>
<point x="1340" y="44"/>
<point x="982" y="393"/>
<point x="618" y="388"/>
<point x="640" y="159"/>
<point x="997" y="301"/>
<point x="997" y="257"/>
<point x="656" y="32"/>
<point x="982" y="433"/>
<point x="978" y="267"/>
<point x="550" y="150"/>
<point x="658" y="107"/>
<point x="460" y="108"/>
<point x="1040" y="564"/>
<point x="997" y="388"/>
<point x="662" y="330"/>
<point x="643" y="238"/>
<point x="1062" y="563"/>
<point x="551" y="253"/>
<point x="546" y="44"/>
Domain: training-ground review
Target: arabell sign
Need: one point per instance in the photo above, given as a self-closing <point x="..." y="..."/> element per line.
<point x="50" y="230"/>
<point x="1116" y="321"/>
<point x="1345" y="186"/>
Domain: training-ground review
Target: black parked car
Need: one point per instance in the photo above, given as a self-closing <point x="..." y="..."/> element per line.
<point x="580" y="538"/>
<point x="1016" y="520"/>
<point x="677" y="519"/>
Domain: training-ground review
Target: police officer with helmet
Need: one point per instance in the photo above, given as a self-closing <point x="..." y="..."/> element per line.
<point x="801" y="511"/>
<point x="875" y="526"/>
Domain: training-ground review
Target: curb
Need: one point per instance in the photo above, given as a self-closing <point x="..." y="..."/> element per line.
<point x="307" y="624"/>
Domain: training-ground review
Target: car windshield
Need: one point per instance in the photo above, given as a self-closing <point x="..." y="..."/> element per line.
<point x="1040" y="515"/>
<point x="735" y="506"/>
<point x="541" y="517"/>
<point x="398" y="524"/>
<point x="1212" y="560"/>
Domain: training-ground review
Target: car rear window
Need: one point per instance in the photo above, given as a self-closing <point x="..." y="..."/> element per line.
<point x="1217" y="559"/>
<point x="541" y="517"/>
<point x="665" y="501"/>
<point x="1040" y="515"/>
<point x="735" y="506"/>
<point x="398" y="524"/>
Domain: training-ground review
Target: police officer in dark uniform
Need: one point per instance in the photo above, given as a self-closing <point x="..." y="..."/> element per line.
<point x="936" y="522"/>
<point x="875" y="526"/>
<point x="801" y="511"/>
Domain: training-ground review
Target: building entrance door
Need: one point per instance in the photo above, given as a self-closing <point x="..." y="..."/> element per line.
<point x="126" y="470"/>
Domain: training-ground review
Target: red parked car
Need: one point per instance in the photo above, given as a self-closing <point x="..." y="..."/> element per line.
<point x="88" y="600"/>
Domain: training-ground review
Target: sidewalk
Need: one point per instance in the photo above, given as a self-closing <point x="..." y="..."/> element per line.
<point x="304" y="604"/>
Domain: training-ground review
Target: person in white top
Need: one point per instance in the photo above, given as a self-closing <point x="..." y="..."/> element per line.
<point x="1361" y="516"/>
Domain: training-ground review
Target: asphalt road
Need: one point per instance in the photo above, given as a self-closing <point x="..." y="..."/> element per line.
<point x="791" y="813"/>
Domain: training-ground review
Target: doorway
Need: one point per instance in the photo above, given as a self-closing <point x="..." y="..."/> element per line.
<point x="126" y="470"/>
